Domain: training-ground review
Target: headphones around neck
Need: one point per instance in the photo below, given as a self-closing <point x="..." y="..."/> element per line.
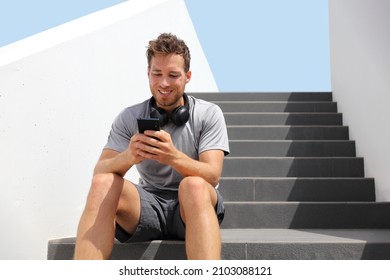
<point x="179" y="116"/>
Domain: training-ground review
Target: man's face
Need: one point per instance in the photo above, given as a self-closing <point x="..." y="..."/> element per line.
<point x="167" y="80"/>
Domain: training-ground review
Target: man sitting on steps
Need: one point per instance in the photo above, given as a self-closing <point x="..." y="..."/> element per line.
<point x="179" y="166"/>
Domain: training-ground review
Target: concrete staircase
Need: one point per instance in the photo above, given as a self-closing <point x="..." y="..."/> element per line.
<point x="293" y="186"/>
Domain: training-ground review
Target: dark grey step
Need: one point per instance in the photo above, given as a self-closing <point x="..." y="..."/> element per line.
<point x="292" y="148"/>
<point x="268" y="132"/>
<point x="257" y="244"/>
<point x="282" y="106"/>
<point x="297" y="189"/>
<point x="264" y="96"/>
<point x="308" y="244"/>
<point x="293" y="167"/>
<point x="63" y="249"/>
<point x="307" y="215"/>
<point x="283" y="118"/>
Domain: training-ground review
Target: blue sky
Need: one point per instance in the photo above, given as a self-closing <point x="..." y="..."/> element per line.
<point x="272" y="45"/>
<point x="251" y="45"/>
<point x="22" y="18"/>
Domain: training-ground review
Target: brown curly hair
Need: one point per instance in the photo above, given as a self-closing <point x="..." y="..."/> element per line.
<point x="168" y="43"/>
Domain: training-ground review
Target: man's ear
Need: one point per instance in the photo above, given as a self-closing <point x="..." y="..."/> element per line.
<point x="188" y="76"/>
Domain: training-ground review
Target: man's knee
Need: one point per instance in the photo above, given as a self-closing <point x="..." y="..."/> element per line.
<point x="194" y="192"/>
<point x="101" y="189"/>
<point x="102" y="179"/>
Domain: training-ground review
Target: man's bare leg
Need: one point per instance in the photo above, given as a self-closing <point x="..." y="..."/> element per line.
<point x="110" y="198"/>
<point x="197" y="203"/>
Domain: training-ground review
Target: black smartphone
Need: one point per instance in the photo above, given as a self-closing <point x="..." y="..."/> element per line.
<point x="148" y="124"/>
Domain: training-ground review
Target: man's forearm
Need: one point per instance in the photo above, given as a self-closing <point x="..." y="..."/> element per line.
<point x="187" y="166"/>
<point x="118" y="164"/>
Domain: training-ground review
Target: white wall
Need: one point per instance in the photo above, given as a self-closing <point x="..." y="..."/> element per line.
<point x="360" y="72"/>
<point x="59" y="92"/>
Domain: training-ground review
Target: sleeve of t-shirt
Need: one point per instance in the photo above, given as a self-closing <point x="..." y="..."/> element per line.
<point x="214" y="133"/>
<point x="122" y="129"/>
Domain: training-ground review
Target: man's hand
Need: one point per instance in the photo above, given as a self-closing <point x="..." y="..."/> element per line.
<point x="134" y="150"/>
<point x="156" y="145"/>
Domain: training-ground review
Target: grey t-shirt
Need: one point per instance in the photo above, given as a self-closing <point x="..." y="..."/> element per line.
<point x="205" y="130"/>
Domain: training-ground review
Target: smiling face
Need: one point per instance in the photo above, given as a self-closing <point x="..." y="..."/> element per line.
<point x="167" y="80"/>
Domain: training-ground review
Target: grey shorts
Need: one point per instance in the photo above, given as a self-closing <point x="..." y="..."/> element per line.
<point x="160" y="217"/>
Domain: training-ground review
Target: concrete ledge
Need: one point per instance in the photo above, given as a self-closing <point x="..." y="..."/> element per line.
<point x="293" y="167"/>
<point x="292" y="148"/>
<point x="297" y="189"/>
<point x="287" y="132"/>
<point x="63" y="249"/>
<point x="283" y="118"/>
<point x="313" y="215"/>
<point x="277" y="106"/>
<point x="263" y="96"/>
<point x="267" y="244"/>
